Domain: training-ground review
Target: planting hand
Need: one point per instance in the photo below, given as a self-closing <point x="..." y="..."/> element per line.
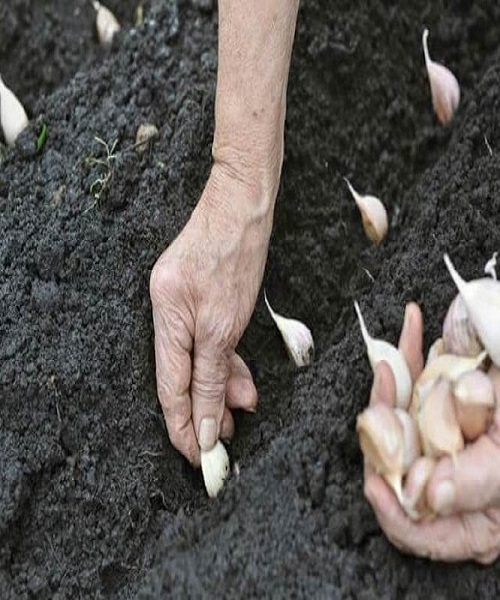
<point x="204" y="286"/>
<point x="465" y="494"/>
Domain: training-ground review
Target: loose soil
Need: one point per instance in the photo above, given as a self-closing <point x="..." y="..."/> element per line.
<point x="94" y="502"/>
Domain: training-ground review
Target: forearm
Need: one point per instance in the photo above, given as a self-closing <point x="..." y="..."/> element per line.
<point x="255" y="45"/>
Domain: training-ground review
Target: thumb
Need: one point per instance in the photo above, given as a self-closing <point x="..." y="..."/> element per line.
<point x="208" y="385"/>
<point x="468" y="482"/>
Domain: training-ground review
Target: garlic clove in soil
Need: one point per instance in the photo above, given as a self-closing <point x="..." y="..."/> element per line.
<point x="440" y="432"/>
<point x="445" y="91"/>
<point x="411" y="439"/>
<point x="215" y="468"/>
<point x="382" y="442"/>
<point x="475" y="403"/>
<point x="13" y="117"/>
<point x="373" y="215"/>
<point x="379" y="350"/>
<point x="106" y="24"/>
<point x="437" y="349"/>
<point x="482" y="301"/>
<point x="415" y="488"/>
<point x="146" y="132"/>
<point x="297" y="337"/>
<point x="459" y="335"/>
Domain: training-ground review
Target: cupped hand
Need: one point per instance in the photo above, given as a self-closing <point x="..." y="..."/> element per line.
<point x="464" y="494"/>
<point x="203" y="291"/>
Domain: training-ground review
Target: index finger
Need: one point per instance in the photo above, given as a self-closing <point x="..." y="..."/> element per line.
<point x="411" y="339"/>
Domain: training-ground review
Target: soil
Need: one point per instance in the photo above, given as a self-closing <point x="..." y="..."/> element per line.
<point x="94" y="502"/>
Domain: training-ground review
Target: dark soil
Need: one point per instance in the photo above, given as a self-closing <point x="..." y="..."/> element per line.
<point x="94" y="502"/>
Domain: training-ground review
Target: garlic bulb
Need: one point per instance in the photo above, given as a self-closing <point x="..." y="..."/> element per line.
<point x="373" y="215"/>
<point x="379" y="350"/>
<point x="13" y="117"/>
<point x="297" y="337"/>
<point x="459" y="335"/>
<point x="474" y="402"/>
<point x="482" y="300"/>
<point x="215" y="468"/>
<point x="106" y="24"/>
<point x="382" y="443"/>
<point x="437" y="349"/>
<point x="445" y="90"/>
<point x="437" y="422"/>
<point x="411" y="440"/>
<point x="415" y="488"/>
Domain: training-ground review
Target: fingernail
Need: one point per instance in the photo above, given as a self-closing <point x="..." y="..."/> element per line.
<point x="444" y="501"/>
<point x="407" y="320"/>
<point x="207" y="433"/>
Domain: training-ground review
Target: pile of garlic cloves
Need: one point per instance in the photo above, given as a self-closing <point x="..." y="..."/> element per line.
<point x="451" y="404"/>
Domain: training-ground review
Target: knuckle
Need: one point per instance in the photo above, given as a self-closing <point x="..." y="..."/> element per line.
<point x="163" y="282"/>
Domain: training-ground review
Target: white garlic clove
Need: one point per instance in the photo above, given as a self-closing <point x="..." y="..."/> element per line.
<point x="415" y="488"/>
<point x="297" y="337"/>
<point x="145" y="133"/>
<point x="459" y="335"/>
<point x="445" y="91"/>
<point x="373" y="215"/>
<point x="215" y="468"/>
<point x="106" y="24"/>
<point x="379" y="350"/>
<point x="440" y="432"/>
<point x="13" y="117"/>
<point x="475" y="403"/>
<point x="411" y="439"/>
<point x="482" y="300"/>
<point x="382" y="443"/>
<point x="437" y="349"/>
<point x="448" y="366"/>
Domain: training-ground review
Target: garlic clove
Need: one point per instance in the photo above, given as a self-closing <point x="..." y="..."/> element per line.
<point x="415" y="488"/>
<point x="440" y="432"/>
<point x="297" y="337"/>
<point x="215" y="468"/>
<point x="13" y="117"/>
<point x="106" y="24"/>
<point x="475" y="403"/>
<point x="411" y="439"/>
<point x="381" y="439"/>
<point x="373" y="215"/>
<point x="379" y="350"/>
<point x="482" y="300"/>
<point x="448" y="366"/>
<point x="146" y="132"/>
<point x="445" y="90"/>
<point x="459" y="335"/>
<point x="437" y="349"/>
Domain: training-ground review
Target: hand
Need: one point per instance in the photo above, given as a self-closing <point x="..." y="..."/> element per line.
<point x="203" y="292"/>
<point x="465" y="495"/>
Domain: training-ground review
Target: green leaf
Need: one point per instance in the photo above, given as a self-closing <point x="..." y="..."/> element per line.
<point x="42" y="138"/>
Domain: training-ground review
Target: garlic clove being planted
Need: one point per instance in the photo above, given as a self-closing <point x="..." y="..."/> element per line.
<point x="415" y="488"/>
<point x="440" y="432"/>
<point x="106" y="24"/>
<point x="482" y="300"/>
<point x="373" y="215"/>
<point x="437" y="349"/>
<point x="215" y="468"/>
<point x="297" y="337"/>
<point x="459" y="335"/>
<point x="411" y="439"/>
<point x="475" y="403"/>
<point x="379" y="350"/>
<point x="445" y="91"/>
<point x="382" y="443"/>
<point x="13" y="117"/>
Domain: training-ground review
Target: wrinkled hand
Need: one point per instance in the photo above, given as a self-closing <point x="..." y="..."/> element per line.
<point x="465" y="495"/>
<point x="203" y="291"/>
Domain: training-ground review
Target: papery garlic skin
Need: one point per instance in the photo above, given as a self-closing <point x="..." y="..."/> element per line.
<point x="475" y="403"/>
<point x="373" y="215"/>
<point x="13" y="117"/>
<point x="415" y="488"/>
<point x="106" y="23"/>
<point x="459" y="334"/>
<point x="482" y="300"/>
<point x="411" y="439"/>
<point x="296" y="335"/>
<point x="437" y="349"/>
<point x="379" y="350"/>
<point x="445" y="90"/>
<point x="215" y="468"/>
